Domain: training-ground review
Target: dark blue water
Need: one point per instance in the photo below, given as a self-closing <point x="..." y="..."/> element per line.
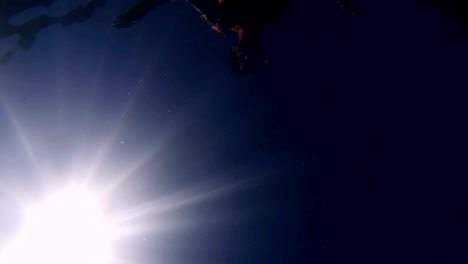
<point x="346" y="145"/>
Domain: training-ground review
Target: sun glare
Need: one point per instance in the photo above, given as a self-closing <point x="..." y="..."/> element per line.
<point x="68" y="227"/>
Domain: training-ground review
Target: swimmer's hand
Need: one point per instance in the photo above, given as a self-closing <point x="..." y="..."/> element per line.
<point x="129" y="18"/>
<point x="136" y="13"/>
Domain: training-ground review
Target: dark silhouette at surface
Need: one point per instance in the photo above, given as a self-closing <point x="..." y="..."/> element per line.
<point x="241" y="16"/>
<point x="27" y="32"/>
<point x="245" y="17"/>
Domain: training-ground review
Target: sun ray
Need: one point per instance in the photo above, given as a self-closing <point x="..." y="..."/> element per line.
<point x="20" y="132"/>
<point x="67" y="227"/>
<point x="178" y="200"/>
<point x="106" y="147"/>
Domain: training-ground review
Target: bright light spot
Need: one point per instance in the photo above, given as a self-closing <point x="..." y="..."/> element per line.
<point x="68" y="227"/>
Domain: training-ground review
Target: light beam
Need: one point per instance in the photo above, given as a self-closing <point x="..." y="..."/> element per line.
<point x="68" y="227"/>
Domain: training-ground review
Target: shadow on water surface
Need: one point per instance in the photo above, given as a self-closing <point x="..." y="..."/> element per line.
<point x="26" y="33"/>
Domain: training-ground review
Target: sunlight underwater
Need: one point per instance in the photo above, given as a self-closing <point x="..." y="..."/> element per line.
<point x="70" y="220"/>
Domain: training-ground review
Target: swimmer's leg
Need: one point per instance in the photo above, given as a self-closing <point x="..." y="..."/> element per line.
<point x="246" y="50"/>
<point x="136" y="13"/>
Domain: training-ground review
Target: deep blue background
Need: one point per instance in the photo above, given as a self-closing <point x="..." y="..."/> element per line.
<point x="350" y="136"/>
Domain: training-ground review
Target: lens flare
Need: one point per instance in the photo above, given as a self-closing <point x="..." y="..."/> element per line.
<point x="68" y="227"/>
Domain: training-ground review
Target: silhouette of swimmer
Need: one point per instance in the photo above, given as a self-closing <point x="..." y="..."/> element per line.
<point x="244" y="17"/>
<point x="27" y="32"/>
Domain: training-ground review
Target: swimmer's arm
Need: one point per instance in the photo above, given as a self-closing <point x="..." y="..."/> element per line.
<point x="136" y="13"/>
<point x="204" y="10"/>
<point x="146" y="6"/>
